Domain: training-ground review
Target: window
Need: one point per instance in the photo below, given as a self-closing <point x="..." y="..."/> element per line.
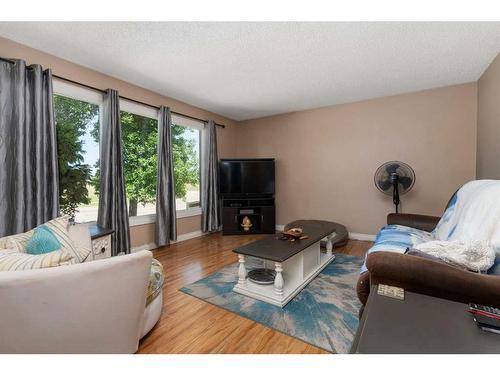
<point x="77" y="113"/>
<point x="77" y="116"/>
<point x="140" y="135"/>
<point x="186" y="136"/>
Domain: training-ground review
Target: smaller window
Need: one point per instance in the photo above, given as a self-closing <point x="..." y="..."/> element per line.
<point x="77" y="114"/>
<point x="186" y="136"/>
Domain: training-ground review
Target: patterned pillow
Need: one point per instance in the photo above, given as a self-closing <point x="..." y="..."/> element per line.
<point x="156" y="279"/>
<point x="60" y="228"/>
<point x="13" y="260"/>
<point x="18" y="241"/>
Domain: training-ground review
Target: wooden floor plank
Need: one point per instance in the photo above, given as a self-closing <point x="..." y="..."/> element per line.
<point x="189" y="325"/>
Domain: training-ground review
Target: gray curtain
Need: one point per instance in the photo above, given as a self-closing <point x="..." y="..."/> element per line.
<point x="29" y="190"/>
<point x="166" y="226"/>
<point x="113" y="211"/>
<point x="211" y="216"/>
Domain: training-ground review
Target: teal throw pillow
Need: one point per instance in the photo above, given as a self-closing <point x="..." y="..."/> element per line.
<point x="43" y="241"/>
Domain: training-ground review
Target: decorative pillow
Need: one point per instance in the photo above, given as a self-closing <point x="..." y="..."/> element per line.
<point x="18" y="241"/>
<point x="80" y="235"/>
<point x="156" y="280"/>
<point x="60" y="228"/>
<point x="13" y="260"/>
<point x="42" y="242"/>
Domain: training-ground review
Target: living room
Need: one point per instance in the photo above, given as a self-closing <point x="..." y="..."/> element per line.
<point x="339" y="183"/>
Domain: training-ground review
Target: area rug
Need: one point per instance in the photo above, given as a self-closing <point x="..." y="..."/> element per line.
<point x="324" y="313"/>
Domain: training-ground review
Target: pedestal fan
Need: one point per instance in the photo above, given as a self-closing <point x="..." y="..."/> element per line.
<point x="394" y="178"/>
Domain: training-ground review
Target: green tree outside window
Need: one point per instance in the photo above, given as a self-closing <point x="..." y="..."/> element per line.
<point x="73" y="119"/>
<point x="79" y="181"/>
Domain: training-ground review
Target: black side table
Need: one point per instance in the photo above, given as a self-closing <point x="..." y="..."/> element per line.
<point x="420" y="325"/>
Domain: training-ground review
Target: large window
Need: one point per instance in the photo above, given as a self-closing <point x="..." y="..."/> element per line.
<point x="77" y="125"/>
<point x="77" y="112"/>
<point x="140" y="136"/>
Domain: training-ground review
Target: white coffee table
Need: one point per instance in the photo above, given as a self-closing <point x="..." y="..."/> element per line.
<point x="296" y="263"/>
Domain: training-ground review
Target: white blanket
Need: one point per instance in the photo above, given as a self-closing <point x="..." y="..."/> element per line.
<point x="471" y="222"/>
<point x="473" y="214"/>
<point x="476" y="256"/>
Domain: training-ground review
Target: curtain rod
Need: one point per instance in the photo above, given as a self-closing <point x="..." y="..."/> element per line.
<point x="122" y="97"/>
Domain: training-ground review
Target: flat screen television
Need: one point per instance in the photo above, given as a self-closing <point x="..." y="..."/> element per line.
<point x="246" y="177"/>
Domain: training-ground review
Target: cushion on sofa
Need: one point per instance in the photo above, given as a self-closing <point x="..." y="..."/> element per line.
<point x="80" y="236"/>
<point x="13" y="260"/>
<point x="397" y="238"/>
<point x="17" y="241"/>
<point x="156" y="280"/>
<point x="61" y="228"/>
<point x="62" y="231"/>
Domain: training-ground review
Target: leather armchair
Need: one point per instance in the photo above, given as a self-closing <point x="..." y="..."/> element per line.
<point x="426" y="276"/>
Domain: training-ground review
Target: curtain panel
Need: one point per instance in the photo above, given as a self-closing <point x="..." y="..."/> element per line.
<point x="210" y="205"/>
<point x="112" y="212"/>
<point x="29" y="188"/>
<point x="166" y="226"/>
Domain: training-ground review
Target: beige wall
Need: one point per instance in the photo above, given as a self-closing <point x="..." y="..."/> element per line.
<point x="326" y="157"/>
<point x="143" y="234"/>
<point x="488" y="122"/>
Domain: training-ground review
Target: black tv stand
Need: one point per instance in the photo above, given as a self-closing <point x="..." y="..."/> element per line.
<point x="260" y="211"/>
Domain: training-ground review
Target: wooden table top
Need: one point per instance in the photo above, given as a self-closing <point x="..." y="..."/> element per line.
<point x="277" y="250"/>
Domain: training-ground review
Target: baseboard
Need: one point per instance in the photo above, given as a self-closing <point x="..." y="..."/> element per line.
<point x="148" y="246"/>
<point x="188" y="236"/>
<point x="361" y="236"/>
<point x="352" y="235"/>
<point x="180" y="238"/>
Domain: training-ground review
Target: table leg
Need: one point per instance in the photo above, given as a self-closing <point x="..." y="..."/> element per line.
<point x="329" y="244"/>
<point x="242" y="271"/>
<point x="278" y="280"/>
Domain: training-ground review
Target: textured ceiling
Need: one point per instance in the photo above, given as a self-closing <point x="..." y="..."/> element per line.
<point x="249" y="70"/>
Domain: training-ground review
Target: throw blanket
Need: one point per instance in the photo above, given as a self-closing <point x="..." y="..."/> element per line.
<point x="472" y="215"/>
<point x="476" y="256"/>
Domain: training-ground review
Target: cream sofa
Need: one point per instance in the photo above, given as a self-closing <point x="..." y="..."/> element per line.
<point x="91" y="307"/>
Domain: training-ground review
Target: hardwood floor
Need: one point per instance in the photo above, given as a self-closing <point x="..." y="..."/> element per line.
<point x="189" y="325"/>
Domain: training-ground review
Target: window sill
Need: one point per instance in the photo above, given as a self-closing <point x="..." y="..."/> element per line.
<point x="149" y="219"/>
<point x="195" y="211"/>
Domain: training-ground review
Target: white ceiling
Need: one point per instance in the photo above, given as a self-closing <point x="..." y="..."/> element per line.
<point x="249" y="70"/>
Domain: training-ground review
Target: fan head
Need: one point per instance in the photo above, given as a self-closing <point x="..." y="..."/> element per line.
<point x="392" y="171"/>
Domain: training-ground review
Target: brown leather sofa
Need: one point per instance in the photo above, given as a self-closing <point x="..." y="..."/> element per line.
<point x="426" y="276"/>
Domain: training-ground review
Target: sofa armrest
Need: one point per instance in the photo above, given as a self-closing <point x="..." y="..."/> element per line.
<point x="422" y="222"/>
<point x="436" y="279"/>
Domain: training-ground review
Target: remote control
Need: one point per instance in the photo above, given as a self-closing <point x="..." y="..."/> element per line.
<point x="486" y="311"/>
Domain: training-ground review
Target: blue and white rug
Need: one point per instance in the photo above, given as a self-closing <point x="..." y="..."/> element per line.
<point x="324" y="313"/>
